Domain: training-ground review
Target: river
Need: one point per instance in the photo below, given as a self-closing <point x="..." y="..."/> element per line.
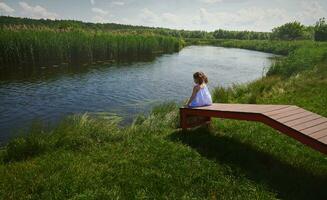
<point x="125" y="90"/>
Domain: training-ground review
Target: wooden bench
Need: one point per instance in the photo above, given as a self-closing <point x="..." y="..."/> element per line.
<point x="302" y="125"/>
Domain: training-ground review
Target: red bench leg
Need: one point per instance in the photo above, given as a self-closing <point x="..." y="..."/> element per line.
<point x="184" y="124"/>
<point x="208" y="121"/>
<point x="183" y="120"/>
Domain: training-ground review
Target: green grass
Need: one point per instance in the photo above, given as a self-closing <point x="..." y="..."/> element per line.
<point x="93" y="158"/>
<point x="44" y="46"/>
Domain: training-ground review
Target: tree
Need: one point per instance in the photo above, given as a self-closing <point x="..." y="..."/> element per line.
<point x="289" y="31"/>
<point x="321" y="30"/>
<point x="241" y="35"/>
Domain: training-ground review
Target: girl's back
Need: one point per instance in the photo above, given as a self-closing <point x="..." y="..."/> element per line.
<point x="202" y="97"/>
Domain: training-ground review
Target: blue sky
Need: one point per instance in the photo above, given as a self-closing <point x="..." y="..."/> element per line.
<point x="257" y="15"/>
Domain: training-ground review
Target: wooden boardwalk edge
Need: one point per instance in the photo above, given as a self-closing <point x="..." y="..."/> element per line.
<point x="272" y="118"/>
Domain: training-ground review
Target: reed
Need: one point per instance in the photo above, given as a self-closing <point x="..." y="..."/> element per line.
<point x="45" y="46"/>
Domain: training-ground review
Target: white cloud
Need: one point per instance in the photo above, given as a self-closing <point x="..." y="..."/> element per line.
<point x="37" y="11"/>
<point x="148" y="17"/>
<point x="247" y="17"/>
<point x="101" y="16"/>
<point x="311" y="11"/>
<point x="92" y="2"/>
<point x="205" y="16"/>
<point x="252" y="18"/>
<point x="169" y="17"/>
<point x="99" y="11"/>
<point x="118" y="3"/>
<point x="5" y="8"/>
<point x="99" y="19"/>
<point x="211" y="1"/>
<point x="258" y="18"/>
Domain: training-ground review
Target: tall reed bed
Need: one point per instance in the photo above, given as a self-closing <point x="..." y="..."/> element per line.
<point x="45" y="46"/>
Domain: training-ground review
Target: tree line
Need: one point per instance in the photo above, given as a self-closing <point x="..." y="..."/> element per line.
<point x="289" y="31"/>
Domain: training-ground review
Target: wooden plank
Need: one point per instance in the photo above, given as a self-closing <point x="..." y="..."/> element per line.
<point x="314" y="129"/>
<point x="229" y="105"/>
<point x="250" y="108"/>
<point x="302" y="125"/>
<point x="323" y="140"/>
<point x="310" y="124"/>
<point x="294" y="117"/>
<point x="236" y="108"/>
<point x="266" y="108"/>
<point x="319" y="134"/>
<point x="287" y="109"/>
<point x="305" y="139"/>
<point x="245" y="108"/>
<point x="287" y="114"/>
<point x="300" y="120"/>
<point x="275" y="108"/>
<point x="322" y="133"/>
<point x="219" y="107"/>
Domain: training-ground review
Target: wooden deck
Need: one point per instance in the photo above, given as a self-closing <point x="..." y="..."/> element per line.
<point x="302" y="125"/>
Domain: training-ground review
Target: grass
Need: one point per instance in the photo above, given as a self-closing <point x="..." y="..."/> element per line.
<point x="93" y="158"/>
<point x="45" y="46"/>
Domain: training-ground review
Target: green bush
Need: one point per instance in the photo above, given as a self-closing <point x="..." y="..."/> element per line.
<point x="320" y="29"/>
<point x="289" y="31"/>
<point x="301" y="59"/>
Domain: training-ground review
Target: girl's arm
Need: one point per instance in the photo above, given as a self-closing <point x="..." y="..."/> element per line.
<point x="195" y="90"/>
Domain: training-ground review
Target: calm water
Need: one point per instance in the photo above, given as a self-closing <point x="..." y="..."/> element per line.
<point x="48" y="94"/>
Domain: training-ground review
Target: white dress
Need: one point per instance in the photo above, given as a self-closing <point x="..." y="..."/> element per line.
<point x="202" y="98"/>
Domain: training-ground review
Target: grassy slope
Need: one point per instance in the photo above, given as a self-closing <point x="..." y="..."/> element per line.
<point x="87" y="158"/>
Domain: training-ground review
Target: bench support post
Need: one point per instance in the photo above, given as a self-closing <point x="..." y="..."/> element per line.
<point x="183" y="120"/>
<point x="198" y="120"/>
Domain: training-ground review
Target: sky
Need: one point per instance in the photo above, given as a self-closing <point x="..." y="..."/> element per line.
<point x="208" y="15"/>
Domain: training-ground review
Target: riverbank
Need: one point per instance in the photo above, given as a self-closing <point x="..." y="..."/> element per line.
<point x="124" y="89"/>
<point x="93" y="158"/>
<point x="299" y="55"/>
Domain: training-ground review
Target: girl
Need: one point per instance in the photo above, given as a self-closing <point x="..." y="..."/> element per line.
<point x="200" y="95"/>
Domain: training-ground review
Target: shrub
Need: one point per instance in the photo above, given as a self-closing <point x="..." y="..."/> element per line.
<point x="303" y="58"/>
<point x="289" y="31"/>
<point x="321" y="30"/>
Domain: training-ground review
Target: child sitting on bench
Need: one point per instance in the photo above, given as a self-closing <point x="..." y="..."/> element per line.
<point x="200" y="95"/>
